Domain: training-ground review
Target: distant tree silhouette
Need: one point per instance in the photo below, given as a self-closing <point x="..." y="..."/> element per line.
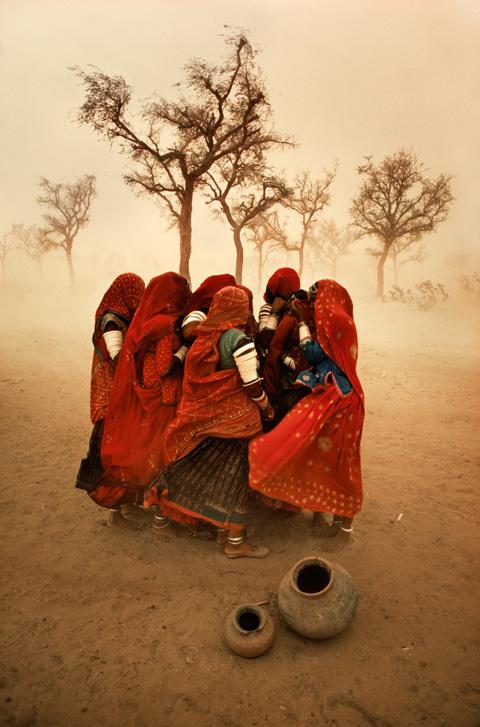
<point x="6" y="245"/>
<point x="223" y="111"/>
<point x="309" y="197"/>
<point x="265" y="232"/>
<point x="243" y="193"/>
<point x="69" y="205"/>
<point x="396" y="202"/>
<point x="328" y="242"/>
<point x="29" y="240"/>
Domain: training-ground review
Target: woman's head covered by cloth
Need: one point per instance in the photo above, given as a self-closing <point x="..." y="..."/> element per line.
<point x="202" y="297"/>
<point x="282" y="284"/>
<point x="230" y="309"/>
<point x="335" y="327"/>
<point x="165" y="299"/>
<point x="122" y="297"/>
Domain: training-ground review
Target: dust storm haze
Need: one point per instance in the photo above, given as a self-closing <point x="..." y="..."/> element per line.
<point x="347" y="80"/>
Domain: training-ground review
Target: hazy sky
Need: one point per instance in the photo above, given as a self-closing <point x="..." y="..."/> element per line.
<point x="347" y="78"/>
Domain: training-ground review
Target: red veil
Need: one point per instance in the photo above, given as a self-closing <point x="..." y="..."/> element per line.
<point x="214" y="402"/>
<point x="282" y="283"/>
<point x="202" y="297"/>
<point x="121" y="299"/>
<point x="312" y="458"/>
<point x="137" y="416"/>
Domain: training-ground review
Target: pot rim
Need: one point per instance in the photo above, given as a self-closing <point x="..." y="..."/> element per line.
<point x="243" y="609"/>
<point x="313" y="560"/>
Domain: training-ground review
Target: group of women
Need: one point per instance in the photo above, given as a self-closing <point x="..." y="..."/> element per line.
<point x="197" y="407"/>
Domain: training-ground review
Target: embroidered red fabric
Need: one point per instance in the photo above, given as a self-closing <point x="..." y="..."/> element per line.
<point x="138" y="414"/>
<point x="122" y="299"/>
<point x="312" y="458"/>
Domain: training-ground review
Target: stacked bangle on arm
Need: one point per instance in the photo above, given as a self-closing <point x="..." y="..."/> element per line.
<point x="246" y="361"/>
<point x="304" y="332"/>
<point x="261" y="401"/>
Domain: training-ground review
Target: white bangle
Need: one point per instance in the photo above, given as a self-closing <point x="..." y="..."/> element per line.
<point x="289" y="362"/>
<point x="113" y="341"/>
<point x="272" y="322"/>
<point x="304" y="332"/>
<point x="246" y="362"/>
<point x="181" y="353"/>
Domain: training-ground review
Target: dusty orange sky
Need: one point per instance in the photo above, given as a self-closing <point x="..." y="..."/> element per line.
<point x="347" y="78"/>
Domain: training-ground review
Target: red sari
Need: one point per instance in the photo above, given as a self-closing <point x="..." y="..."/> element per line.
<point x="121" y="300"/>
<point x="143" y="403"/>
<point x="214" y="402"/>
<point x="312" y="458"/>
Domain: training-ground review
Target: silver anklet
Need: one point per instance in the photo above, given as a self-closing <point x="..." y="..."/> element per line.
<point x="235" y="541"/>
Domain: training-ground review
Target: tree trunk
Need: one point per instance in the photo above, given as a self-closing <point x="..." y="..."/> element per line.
<point x="395" y="269"/>
<point x="259" y="268"/>
<point x="237" y="239"/>
<point x="381" y="271"/>
<point x="185" y="230"/>
<point x="301" y="251"/>
<point x="68" y="252"/>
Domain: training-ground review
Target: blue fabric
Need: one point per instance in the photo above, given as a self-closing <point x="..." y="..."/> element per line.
<point x="322" y="366"/>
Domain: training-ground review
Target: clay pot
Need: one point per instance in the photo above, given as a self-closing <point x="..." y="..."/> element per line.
<point x="317" y="598"/>
<point x="249" y="630"/>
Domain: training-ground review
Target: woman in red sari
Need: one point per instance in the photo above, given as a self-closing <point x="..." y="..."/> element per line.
<point x="206" y="479"/>
<point x="146" y="391"/>
<point x="112" y="319"/>
<point x="311" y="460"/>
<point x="201" y="301"/>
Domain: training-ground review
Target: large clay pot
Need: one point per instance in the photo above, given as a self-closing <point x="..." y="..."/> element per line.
<point x="249" y="630"/>
<point x="317" y="598"/>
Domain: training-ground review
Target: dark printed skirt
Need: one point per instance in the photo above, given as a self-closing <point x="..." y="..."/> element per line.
<point x="210" y="483"/>
<point x="91" y="470"/>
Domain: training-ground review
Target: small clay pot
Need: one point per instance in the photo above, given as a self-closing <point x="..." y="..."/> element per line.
<point x="249" y="630"/>
<point x="317" y="598"/>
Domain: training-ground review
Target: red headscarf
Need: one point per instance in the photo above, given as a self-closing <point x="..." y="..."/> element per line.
<point x="137" y="416"/>
<point x="311" y="460"/>
<point x="282" y="283"/>
<point x="122" y="299"/>
<point x="214" y="402"/>
<point x="336" y="330"/>
<point x="202" y="297"/>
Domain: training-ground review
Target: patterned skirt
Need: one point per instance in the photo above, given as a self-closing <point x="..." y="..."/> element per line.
<point x="210" y="483"/>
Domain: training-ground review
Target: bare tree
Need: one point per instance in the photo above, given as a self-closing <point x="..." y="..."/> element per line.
<point x="69" y="205"/>
<point x="396" y="201"/>
<point x="309" y="197"/>
<point x="225" y="111"/>
<point x="6" y="245"/>
<point x="404" y="251"/>
<point x="29" y="240"/>
<point x="329" y="242"/>
<point x="253" y="195"/>
<point x="265" y="232"/>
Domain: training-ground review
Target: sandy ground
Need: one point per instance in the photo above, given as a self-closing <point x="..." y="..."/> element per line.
<point x="116" y="627"/>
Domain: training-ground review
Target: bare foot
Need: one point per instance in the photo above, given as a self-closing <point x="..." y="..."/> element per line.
<point x="245" y="550"/>
<point x="116" y="520"/>
<point x="326" y="532"/>
<point x="320" y="521"/>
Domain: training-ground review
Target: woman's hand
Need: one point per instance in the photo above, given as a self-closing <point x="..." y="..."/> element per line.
<point x="267" y="413"/>
<point x="297" y="310"/>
